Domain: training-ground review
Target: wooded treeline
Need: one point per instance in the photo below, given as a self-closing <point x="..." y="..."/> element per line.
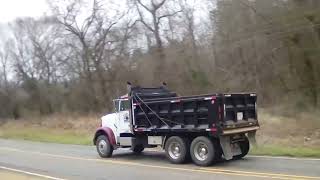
<point x="80" y="57"/>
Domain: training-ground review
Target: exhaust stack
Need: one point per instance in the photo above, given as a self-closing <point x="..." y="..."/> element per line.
<point x="129" y="85"/>
<point x="164" y="85"/>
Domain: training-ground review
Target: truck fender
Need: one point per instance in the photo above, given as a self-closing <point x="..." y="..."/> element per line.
<point x="105" y="131"/>
<point x="164" y="141"/>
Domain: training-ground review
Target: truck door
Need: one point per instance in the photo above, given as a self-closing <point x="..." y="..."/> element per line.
<point x="124" y="117"/>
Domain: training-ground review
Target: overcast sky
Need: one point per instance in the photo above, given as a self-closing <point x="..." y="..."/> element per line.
<point x="11" y="9"/>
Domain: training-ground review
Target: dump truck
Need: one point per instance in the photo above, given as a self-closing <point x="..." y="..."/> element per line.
<point x="203" y="128"/>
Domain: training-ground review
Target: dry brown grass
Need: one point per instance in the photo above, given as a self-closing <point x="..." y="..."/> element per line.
<point x="300" y="130"/>
<point x="59" y="128"/>
<point x="80" y="123"/>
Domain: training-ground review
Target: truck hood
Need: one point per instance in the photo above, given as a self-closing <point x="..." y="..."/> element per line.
<point x="109" y="120"/>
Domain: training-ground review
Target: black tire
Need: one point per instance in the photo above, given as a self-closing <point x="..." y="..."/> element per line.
<point x="138" y="149"/>
<point x="177" y="149"/>
<point x="245" y="147"/>
<point x="104" y="148"/>
<point x="202" y="151"/>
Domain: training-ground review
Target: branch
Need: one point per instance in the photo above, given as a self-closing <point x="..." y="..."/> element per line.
<point x="89" y="20"/>
<point x="132" y="25"/>
<point x="142" y="20"/>
<point x="146" y="25"/>
<point x="104" y="35"/>
<point x="168" y="15"/>
<point x="256" y="12"/>
<point x="157" y="6"/>
<point x="144" y="6"/>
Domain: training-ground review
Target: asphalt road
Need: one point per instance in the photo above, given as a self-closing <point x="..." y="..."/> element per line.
<point x="58" y="161"/>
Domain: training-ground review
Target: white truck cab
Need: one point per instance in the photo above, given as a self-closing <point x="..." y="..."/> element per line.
<point x="119" y="121"/>
<point x="116" y="131"/>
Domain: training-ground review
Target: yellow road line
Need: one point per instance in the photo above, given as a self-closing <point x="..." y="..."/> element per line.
<point x="250" y="172"/>
<point x="30" y="173"/>
<point x="203" y="170"/>
<point x="260" y="156"/>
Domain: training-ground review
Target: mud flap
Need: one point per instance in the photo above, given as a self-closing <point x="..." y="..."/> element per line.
<point x="229" y="149"/>
<point x="226" y="147"/>
<point x="252" y="138"/>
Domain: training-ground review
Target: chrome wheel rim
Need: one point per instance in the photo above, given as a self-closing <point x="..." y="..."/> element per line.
<point x="174" y="150"/>
<point x="102" y="146"/>
<point x="201" y="151"/>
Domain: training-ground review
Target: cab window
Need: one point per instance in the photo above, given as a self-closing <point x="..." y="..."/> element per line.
<point x="116" y="105"/>
<point x="124" y="105"/>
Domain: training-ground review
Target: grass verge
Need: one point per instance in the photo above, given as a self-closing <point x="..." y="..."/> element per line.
<point x="277" y="150"/>
<point x="47" y="135"/>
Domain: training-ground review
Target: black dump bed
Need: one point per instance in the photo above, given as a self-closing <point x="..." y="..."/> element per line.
<point x="160" y="110"/>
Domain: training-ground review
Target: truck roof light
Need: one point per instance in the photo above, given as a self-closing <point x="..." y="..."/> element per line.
<point x="139" y="129"/>
<point x="212" y="129"/>
<point x="210" y="98"/>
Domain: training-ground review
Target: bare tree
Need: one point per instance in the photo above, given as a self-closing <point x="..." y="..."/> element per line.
<point x="156" y="17"/>
<point x="155" y="13"/>
<point x="93" y="33"/>
<point x="188" y="13"/>
<point x="34" y="55"/>
<point x="4" y="62"/>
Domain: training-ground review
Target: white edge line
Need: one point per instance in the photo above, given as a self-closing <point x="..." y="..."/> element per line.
<point x="30" y="173"/>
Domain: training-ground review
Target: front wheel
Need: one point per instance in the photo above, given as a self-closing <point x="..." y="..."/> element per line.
<point x="104" y="147"/>
<point x="202" y="151"/>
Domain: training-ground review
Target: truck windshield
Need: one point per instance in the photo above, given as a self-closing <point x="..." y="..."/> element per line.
<point x="125" y="105"/>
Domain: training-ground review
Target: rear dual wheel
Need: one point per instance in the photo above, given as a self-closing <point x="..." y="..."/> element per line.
<point x="177" y="149"/>
<point x="204" y="151"/>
